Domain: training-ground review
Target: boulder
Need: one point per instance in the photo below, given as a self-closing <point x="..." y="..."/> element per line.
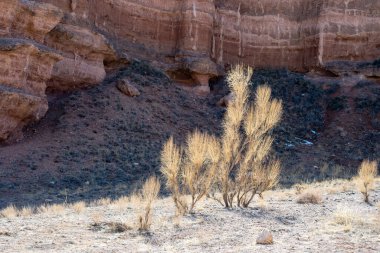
<point x="127" y="88"/>
<point x="265" y="237"/>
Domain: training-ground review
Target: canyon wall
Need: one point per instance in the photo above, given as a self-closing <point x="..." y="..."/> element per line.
<point x="297" y="34"/>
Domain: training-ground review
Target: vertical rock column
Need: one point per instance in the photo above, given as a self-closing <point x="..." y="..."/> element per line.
<point x="195" y="40"/>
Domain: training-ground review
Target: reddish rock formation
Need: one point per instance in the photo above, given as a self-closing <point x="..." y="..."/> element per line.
<point x="84" y="52"/>
<point x="298" y="34"/>
<point x="24" y="69"/>
<point x="44" y="50"/>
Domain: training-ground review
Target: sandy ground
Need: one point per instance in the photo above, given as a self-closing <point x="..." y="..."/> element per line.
<point x="295" y="227"/>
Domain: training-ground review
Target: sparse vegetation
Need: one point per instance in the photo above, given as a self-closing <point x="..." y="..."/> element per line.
<point x="51" y="209"/>
<point x="310" y="196"/>
<point x="25" y="211"/>
<point x="149" y="193"/>
<point x="345" y="216"/>
<point x="366" y="176"/>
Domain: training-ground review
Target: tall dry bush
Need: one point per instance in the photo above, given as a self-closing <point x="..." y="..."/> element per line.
<point x="246" y="168"/>
<point x="237" y="164"/>
<point x="366" y="177"/>
<point x="149" y="193"/>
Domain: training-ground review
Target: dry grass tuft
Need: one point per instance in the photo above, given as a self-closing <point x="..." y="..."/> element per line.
<point x="79" y="207"/>
<point x="103" y="202"/>
<point x="310" y="197"/>
<point x="25" y="211"/>
<point x="366" y="177"/>
<point x="97" y="218"/>
<point x="9" y="212"/>
<point x="51" y="209"/>
<point x="345" y="216"/>
<point x="149" y="193"/>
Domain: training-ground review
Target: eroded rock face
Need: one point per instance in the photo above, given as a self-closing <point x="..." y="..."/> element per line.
<point x="35" y="47"/>
<point x="298" y="34"/>
<point x="28" y="19"/>
<point x="24" y="69"/>
<point x="84" y="52"/>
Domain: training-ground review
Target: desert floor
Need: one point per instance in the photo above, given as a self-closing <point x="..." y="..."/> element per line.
<point x="342" y="222"/>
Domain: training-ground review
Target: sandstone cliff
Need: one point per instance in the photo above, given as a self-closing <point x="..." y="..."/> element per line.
<point x="36" y="53"/>
<point x="298" y="34"/>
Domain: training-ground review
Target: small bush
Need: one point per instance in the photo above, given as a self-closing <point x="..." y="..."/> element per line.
<point x="366" y="176"/>
<point x="149" y="193"/>
<point x="310" y="197"/>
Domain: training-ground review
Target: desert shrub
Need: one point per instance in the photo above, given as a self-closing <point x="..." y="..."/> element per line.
<point x="192" y="170"/>
<point x="245" y="168"/>
<point x="310" y="197"/>
<point x="237" y="164"/>
<point x="149" y="193"/>
<point x="366" y="176"/>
